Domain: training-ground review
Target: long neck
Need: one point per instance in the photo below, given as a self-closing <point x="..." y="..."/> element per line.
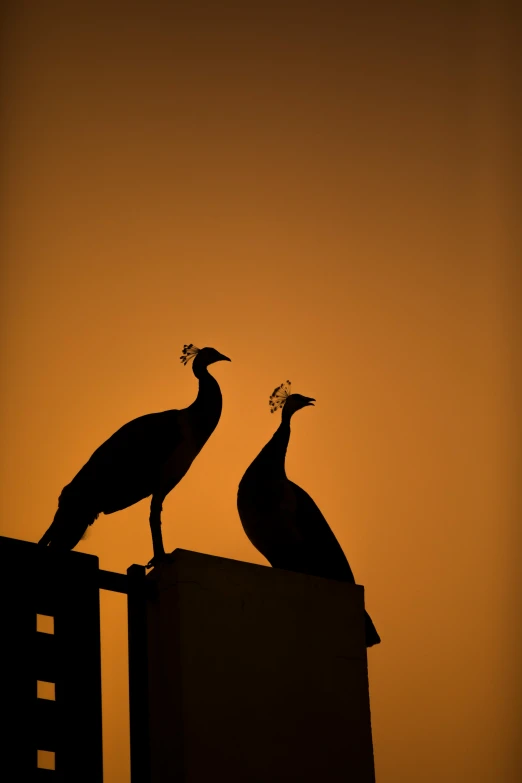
<point x="272" y="457"/>
<point x="206" y="408"/>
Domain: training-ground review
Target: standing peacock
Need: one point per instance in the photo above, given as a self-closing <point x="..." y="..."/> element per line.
<point x="147" y="456"/>
<point x="281" y="519"/>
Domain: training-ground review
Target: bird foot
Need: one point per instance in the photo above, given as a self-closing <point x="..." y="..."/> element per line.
<point x="159" y="559"/>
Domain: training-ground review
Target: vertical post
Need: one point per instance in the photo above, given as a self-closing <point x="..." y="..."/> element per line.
<point x="79" y="754"/>
<point x="138" y="675"/>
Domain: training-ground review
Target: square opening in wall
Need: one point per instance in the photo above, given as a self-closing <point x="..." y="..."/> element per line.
<point x="45" y="690"/>
<point x="46" y="759"/>
<point x="44" y="623"/>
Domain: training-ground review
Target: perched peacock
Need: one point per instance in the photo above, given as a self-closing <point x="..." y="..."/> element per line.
<point x="281" y="519"/>
<point x="147" y="456"/>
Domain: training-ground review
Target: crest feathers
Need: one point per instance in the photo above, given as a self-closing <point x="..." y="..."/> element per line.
<point x="188" y="353"/>
<point x="279" y="396"/>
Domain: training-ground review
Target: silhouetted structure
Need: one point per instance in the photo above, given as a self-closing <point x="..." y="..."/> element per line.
<point x="237" y="672"/>
<point x="51" y="664"/>
<point x="253" y="679"/>
<point x="37" y="586"/>
<point x="147" y="456"/>
<point x="281" y="519"/>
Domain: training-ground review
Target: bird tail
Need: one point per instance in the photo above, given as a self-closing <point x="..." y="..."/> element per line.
<point x="69" y="525"/>
<point x="372" y="637"/>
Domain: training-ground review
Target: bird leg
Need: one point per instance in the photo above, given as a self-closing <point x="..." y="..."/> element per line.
<point x="156" y="506"/>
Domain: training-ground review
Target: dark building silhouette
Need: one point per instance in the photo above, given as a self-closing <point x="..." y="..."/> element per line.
<point x="237" y="672"/>
<point x="51" y="636"/>
<point x="256" y="675"/>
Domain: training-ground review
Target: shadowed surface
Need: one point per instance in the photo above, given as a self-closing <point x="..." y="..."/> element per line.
<point x="253" y="677"/>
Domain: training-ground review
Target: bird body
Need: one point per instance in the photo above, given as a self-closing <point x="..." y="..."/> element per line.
<point x="148" y="456"/>
<point x="129" y="465"/>
<point x="283" y="522"/>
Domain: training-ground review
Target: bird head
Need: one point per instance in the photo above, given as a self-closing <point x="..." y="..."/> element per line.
<point x="282" y="397"/>
<point x="295" y="402"/>
<point x="202" y="356"/>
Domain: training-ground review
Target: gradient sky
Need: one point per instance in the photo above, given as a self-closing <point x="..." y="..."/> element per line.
<point x="321" y="192"/>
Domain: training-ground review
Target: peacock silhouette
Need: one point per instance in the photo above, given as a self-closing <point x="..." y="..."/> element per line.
<point x="148" y="456"/>
<point x="281" y="520"/>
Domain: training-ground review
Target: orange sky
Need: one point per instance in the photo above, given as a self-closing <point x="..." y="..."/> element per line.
<point x="322" y="193"/>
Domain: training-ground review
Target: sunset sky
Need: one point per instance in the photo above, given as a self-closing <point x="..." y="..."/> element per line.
<point x="322" y="192"/>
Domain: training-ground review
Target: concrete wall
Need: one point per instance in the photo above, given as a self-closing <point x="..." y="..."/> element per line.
<point x="256" y="675"/>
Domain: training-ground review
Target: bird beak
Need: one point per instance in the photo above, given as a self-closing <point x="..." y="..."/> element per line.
<point x="310" y="401"/>
<point x="223" y="358"/>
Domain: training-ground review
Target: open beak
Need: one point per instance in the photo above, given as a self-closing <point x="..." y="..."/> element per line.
<point x="310" y="400"/>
